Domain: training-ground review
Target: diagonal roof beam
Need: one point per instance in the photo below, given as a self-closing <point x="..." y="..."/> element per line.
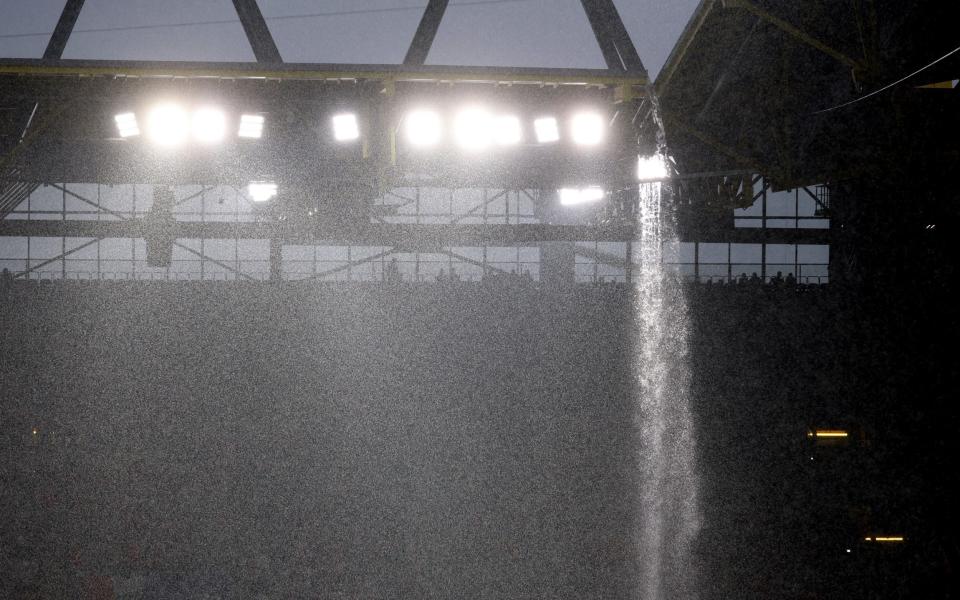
<point x="794" y="31"/>
<point x="61" y="256"/>
<point x="61" y="33"/>
<point x="618" y="50"/>
<point x="355" y="263"/>
<point x="679" y="51"/>
<point x="254" y="25"/>
<point x="426" y="31"/>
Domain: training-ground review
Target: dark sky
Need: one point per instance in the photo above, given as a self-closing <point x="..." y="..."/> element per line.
<point x="544" y="33"/>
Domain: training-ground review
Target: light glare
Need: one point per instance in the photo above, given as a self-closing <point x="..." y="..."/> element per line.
<point x="261" y="191"/>
<point x="423" y="128"/>
<point x="209" y="125"/>
<point x="587" y="129"/>
<point x="576" y="196"/>
<point x="167" y="125"/>
<point x="251" y="126"/>
<point x="652" y="168"/>
<point x="127" y="125"/>
<point x="506" y="130"/>
<point x="472" y="129"/>
<point x="345" y="127"/>
<point x="546" y="130"/>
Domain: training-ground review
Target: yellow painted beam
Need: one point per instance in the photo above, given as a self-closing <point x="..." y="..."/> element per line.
<point x="505" y="76"/>
<point x="795" y="32"/>
<point x="683" y="44"/>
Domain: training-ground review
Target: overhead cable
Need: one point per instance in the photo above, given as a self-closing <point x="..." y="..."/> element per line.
<point x="887" y="87"/>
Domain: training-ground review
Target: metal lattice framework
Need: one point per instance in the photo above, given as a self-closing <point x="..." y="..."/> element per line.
<point x="60" y="129"/>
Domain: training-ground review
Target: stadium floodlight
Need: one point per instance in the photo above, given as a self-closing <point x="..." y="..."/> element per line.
<point x="507" y="131"/>
<point x="587" y="128"/>
<point x="127" y="125"/>
<point x="652" y="168"/>
<point x="251" y="126"/>
<point x="262" y="191"/>
<point x="167" y="125"/>
<point x="423" y="128"/>
<point x="345" y="127"/>
<point x="209" y="125"/>
<point x="546" y="130"/>
<point x="577" y="196"/>
<point x="472" y="129"/>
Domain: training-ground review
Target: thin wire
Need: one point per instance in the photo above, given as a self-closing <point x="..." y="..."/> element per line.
<point x="887" y="87"/>
<point x="341" y="13"/>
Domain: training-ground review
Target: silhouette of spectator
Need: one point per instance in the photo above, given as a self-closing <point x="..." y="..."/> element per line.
<point x="6" y="282"/>
<point x="755" y="279"/>
<point x="393" y="271"/>
<point x="777" y="280"/>
<point x="442" y="275"/>
<point x="742" y="280"/>
<point x="791" y="280"/>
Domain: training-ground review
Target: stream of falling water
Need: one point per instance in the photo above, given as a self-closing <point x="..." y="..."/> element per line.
<point x="668" y="512"/>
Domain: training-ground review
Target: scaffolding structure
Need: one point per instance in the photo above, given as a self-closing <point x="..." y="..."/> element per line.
<point x="68" y="181"/>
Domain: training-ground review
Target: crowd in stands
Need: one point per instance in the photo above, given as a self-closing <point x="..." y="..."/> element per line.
<point x="392" y="274"/>
<point x="777" y="280"/>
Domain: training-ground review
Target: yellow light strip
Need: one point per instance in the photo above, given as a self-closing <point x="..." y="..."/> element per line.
<point x="889" y="538"/>
<point x="829" y="433"/>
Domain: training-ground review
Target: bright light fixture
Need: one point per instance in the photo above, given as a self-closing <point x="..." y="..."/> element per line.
<point x="209" y="125"/>
<point x="652" y="168"/>
<point x="167" y="125"/>
<point x="587" y="128"/>
<point x="576" y="196"/>
<point x="472" y="129"/>
<point x="888" y="538"/>
<point x="251" y="126"/>
<point x="261" y="191"/>
<point x="423" y="128"/>
<point x="345" y="127"/>
<point x="127" y="125"/>
<point x="507" y="131"/>
<point x="546" y="130"/>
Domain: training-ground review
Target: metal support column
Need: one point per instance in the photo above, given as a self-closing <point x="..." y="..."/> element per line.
<point x="729" y="263"/>
<point x="628" y="264"/>
<point x="763" y="263"/>
<point x="426" y="31"/>
<point x="696" y="262"/>
<point x="615" y="44"/>
<point x="276" y="259"/>
<point x="61" y="33"/>
<point x="254" y="25"/>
